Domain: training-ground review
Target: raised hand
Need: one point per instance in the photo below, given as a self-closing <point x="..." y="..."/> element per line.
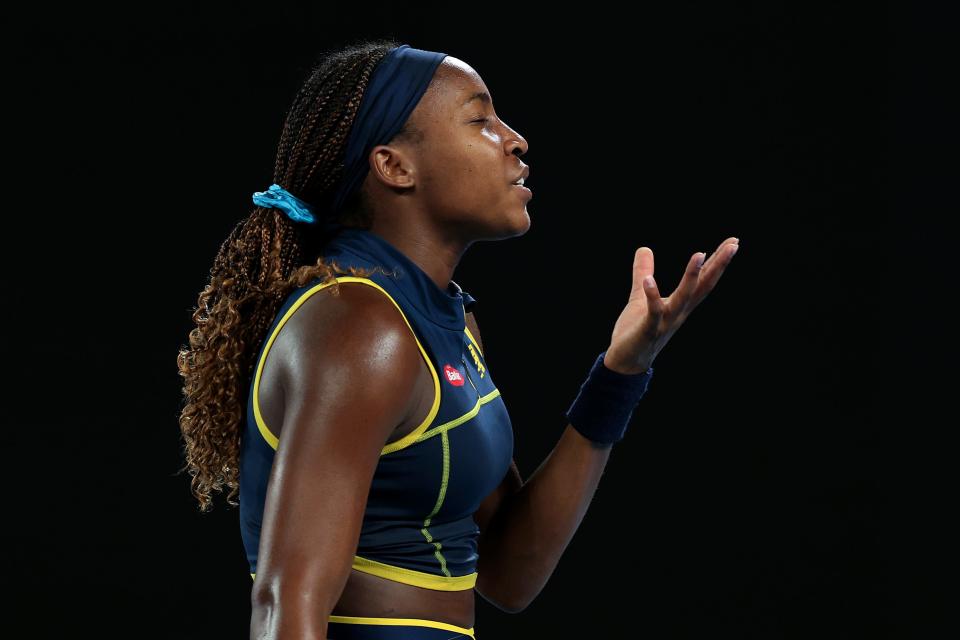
<point x="648" y="321"/>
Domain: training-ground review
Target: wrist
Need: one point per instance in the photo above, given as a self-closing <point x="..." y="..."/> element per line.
<point x="611" y="362"/>
<point x="606" y="400"/>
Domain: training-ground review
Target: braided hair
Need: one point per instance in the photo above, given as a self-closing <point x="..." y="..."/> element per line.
<point x="263" y="259"/>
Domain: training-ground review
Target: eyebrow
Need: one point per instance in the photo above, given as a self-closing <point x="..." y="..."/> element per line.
<point x="482" y="96"/>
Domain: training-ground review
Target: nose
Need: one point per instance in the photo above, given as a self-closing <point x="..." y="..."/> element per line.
<point x="516" y="143"/>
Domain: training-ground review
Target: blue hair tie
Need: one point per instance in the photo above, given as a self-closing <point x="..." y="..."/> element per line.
<point x="279" y="198"/>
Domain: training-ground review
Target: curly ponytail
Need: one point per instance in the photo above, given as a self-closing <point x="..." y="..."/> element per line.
<point x="264" y="258"/>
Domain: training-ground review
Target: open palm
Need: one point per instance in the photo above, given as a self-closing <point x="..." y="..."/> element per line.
<point x="648" y="321"/>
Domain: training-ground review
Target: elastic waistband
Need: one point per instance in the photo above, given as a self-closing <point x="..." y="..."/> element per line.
<point x="410" y="622"/>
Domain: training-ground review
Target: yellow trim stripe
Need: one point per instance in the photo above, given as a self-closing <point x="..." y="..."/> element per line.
<point x="415" y="622"/>
<point x="473" y="340"/>
<point x="445" y="478"/>
<point x="410" y="576"/>
<point x="418" y="622"/>
<point x="416" y="578"/>
<point x="403" y="442"/>
<point x="446" y="426"/>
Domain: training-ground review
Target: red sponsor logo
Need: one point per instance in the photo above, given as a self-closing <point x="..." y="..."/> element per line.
<point x="453" y="375"/>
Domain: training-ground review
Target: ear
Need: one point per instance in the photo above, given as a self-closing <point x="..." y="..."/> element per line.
<point x="393" y="166"/>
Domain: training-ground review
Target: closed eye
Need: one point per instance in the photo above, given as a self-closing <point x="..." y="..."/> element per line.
<point x="482" y="120"/>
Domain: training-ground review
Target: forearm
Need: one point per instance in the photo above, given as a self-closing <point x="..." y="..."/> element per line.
<point x="530" y="531"/>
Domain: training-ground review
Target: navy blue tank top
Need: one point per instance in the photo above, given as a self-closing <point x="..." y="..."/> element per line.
<point x="418" y="527"/>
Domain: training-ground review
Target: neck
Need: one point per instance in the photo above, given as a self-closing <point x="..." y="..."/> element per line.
<point x="437" y="254"/>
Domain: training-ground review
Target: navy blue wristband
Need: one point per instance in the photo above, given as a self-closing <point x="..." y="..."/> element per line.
<point x="603" y="407"/>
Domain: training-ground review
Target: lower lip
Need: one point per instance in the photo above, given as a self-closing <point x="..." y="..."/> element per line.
<point x="523" y="188"/>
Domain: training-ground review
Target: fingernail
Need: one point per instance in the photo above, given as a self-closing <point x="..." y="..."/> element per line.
<point x="648" y="281"/>
<point x="700" y="260"/>
<point x="735" y="247"/>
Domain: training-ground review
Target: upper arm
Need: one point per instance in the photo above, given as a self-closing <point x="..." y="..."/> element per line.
<point x="349" y="385"/>
<point x="512" y="481"/>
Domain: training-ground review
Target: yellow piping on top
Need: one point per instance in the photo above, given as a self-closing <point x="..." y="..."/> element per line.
<point x="411" y="576"/>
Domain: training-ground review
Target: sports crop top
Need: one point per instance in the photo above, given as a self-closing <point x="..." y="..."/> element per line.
<point x="418" y="526"/>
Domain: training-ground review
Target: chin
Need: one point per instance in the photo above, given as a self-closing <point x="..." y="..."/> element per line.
<point x="507" y="222"/>
<point x="518" y="224"/>
<point x="527" y="222"/>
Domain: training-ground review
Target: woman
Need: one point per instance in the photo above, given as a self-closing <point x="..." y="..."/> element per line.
<point x="336" y="378"/>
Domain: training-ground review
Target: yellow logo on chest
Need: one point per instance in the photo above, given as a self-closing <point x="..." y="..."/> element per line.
<point x="476" y="360"/>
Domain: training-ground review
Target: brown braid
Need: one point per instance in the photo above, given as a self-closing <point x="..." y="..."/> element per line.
<point x="264" y="258"/>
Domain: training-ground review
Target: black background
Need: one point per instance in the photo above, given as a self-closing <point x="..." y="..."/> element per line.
<point x="785" y="477"/>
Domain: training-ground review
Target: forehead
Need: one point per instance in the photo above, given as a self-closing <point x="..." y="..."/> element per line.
<point x="456" y="85"/>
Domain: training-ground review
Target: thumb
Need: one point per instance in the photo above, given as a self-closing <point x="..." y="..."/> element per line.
<point x="642" y="266"/>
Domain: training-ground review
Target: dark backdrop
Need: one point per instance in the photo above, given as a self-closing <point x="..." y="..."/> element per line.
<point x="783" y="478"/>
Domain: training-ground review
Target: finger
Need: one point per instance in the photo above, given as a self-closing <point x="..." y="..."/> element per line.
<point x="682" y="297"/>
<point x="709" y="277"/>
<point x="715" y="266"/>
<point x="655" y="305"/>
<point x="723" y="253"/>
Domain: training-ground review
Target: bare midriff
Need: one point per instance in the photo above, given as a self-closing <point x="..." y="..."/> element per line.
<point x="368" y="595"/>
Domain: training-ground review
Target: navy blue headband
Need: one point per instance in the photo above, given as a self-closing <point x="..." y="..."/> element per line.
<point x="395" y="88"/>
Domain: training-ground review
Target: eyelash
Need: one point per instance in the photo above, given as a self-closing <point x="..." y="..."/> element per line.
<point x="482" y="120"/>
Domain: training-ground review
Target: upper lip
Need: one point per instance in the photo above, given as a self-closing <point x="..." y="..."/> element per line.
<point x="523" y="174"/>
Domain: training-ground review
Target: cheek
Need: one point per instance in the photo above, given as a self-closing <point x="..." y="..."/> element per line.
<point x="463" y="192"/>
<point x="465" y="173"/>
<point x="481" y="165"/>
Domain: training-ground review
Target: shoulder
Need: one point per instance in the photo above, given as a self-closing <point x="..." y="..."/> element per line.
<point x="349" y="331"/>
<point x="349" y="301"/>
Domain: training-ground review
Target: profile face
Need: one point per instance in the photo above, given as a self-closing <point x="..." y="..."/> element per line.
<point x="468" y="159"/>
